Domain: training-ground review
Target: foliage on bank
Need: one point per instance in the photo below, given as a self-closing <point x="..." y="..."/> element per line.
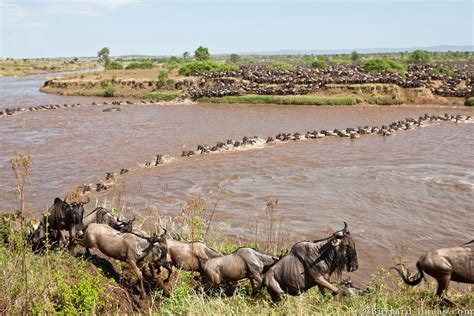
<point x="204" y="66"/>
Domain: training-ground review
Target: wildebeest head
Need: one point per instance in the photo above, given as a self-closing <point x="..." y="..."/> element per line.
<point x="124" y="226"/>
<point x="343" y="241"/>
<point x="160" y="247"/>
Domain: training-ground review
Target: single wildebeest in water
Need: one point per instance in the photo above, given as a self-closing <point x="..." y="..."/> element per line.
<point x="189" y="256"/>
<point x="242" y="263"/>
<point x="308" y="262"/>
<point x="61" y="215"/>
<point x="445" y="265"/>
<point x="137" y="251"/>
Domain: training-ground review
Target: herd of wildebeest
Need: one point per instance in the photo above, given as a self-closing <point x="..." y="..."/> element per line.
<point x="263" y="80"/>
<point x="307" y="264"/>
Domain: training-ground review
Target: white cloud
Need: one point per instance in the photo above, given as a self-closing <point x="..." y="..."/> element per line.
<point x="86" y="7"/>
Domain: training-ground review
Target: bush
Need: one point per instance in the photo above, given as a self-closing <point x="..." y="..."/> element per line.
<point x="145" y="64"/>
<point x="109" y="91"/>
<point x="318" y="63"/>
<point x="443" y="70"/>
<point x="234" y="58"/>
<point x="281" y="66"/>
<point x="379" y="65"/>
<point x="419" y="57"/>
<point x="470" y="101"/>
<point x="115" y="65"/>
<point x="163" y="80"/>
<point x="202" y="67"/>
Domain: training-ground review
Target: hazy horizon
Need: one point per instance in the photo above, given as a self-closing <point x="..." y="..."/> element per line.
<point x="45" y="28"/>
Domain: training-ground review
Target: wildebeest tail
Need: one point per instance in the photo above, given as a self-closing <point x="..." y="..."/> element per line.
<point x="409" y="280"/>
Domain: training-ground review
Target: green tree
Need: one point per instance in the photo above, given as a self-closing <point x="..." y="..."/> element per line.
<point x="186" y="55"/>
<point x="202" y="53"/>
<point x="355" y="56"/>
<point x="234" y="58"/>
<point x="103" y="56"/>
<point x="419" y="57"/>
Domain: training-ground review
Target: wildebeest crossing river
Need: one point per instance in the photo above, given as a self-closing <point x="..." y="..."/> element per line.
<point x="414" y="188"/>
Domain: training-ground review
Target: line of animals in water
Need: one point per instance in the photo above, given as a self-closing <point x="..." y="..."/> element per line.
<point x="13" y="111"/>
<point x="307" y="264"/>
<point x="252" y="142"/>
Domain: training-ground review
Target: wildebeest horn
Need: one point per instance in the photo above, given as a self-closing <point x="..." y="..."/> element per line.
<point x="164" y="234"/>
<point x="345" y="226"/>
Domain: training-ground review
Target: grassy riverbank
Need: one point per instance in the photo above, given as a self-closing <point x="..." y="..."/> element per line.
<point x="57" y="282"/>
<point x="286" y="100"/>
<point x="25" y="67"/>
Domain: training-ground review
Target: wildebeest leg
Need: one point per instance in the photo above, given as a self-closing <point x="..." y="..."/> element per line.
<point x="273" y="288"/>
<point x="168" y="268"/>
<point x="443" y="284"/>
<point x="321" y="281"/>
<point x="139" y="275"/>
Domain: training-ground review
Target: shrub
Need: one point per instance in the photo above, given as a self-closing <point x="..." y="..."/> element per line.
<point x="355" y="56"/>
<point x="443" y="70"/>
<point x="281" y="66"/>
<point x="470" y="101"/>
<point x="202" y="67"/>
<point x="382" y="64"/>
<point x="318" y="63"/>
<point x="145" y="64"/>
<point x="419" y="57"/>
<point x="114" y="65"/>
<point x="109" y="91"/>
<point x="163" y="80"/>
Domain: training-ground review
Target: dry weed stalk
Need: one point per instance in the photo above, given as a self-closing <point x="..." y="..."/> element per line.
<point x="20" y="164"/>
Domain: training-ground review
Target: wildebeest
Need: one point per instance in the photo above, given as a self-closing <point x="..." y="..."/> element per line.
<point x="308" y="262"/>
<point x="137" y="251"/>
<point x="101" y="215"/>
<point x="242" y="263"/>
<point x="189" y="256"/>
<point x="445" y="265"/>
<point x="61" y="215"/>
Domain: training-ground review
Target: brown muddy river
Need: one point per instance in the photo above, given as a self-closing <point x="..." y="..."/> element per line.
<point x="413" y="188"/>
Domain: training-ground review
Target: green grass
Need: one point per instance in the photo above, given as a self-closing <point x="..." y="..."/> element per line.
<point x="287" y="100"/>
<point x="162" y="96"/>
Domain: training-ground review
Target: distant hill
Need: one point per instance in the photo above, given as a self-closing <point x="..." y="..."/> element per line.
<point x="440" y="48"/>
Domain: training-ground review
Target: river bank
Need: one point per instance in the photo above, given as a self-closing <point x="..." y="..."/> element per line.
<point x="334" y="85"/>
<point x="28" y="67"/>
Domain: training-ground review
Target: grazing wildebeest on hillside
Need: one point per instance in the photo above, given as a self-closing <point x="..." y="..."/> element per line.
<point x="445" y="265"/>
<point x="308" y="262"/>
<point x="242" y="263"/>
<point x="137" y="251"/>
<point x="101" y="215"/>
<point x="61" y="215"/>
<point x="189" y="256"/>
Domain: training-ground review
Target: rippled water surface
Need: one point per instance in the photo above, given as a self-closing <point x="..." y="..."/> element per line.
<point x="414" y="188"/>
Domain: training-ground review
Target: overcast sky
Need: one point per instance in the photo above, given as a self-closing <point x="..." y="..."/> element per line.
<point x="48" y="28"/>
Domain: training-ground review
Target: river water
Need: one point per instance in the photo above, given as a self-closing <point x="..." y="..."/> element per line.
<point x="414" y="188"/>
